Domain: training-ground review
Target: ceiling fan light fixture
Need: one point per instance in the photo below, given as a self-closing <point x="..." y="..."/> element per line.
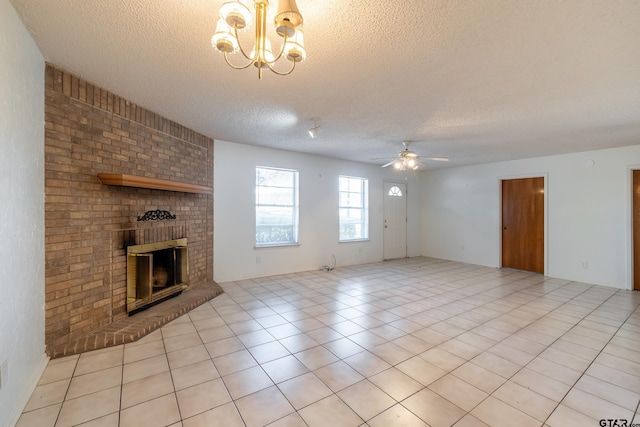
<point x="406" y="164"/>
<point x="409" y="160"/>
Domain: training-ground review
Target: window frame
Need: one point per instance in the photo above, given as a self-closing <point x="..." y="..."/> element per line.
<point x="364" y="202"/>
<point x="295" y="206"/>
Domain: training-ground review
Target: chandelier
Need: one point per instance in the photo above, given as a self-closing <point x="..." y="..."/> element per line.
<point x="236" y="16"/>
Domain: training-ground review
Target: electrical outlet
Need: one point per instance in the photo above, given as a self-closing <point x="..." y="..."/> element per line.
<point x="4" y="373"/>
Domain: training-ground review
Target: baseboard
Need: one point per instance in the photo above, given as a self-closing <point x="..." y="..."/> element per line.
<point x="23" y="399"/>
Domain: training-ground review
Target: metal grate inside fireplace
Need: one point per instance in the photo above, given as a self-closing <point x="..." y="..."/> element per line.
<point x="155" y="272"/>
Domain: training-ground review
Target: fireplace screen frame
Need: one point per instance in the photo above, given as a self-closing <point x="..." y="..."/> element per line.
<point x="141" y="292"/>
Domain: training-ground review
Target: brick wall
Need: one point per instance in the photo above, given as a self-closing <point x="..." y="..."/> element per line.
<point x="89" y="130"/>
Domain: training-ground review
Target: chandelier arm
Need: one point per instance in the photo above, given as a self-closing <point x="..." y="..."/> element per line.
<point x="293" y="66"/>
<point x="236" y="67"/>
<point x="235" y="33"/>
<point x="284" y="43"/>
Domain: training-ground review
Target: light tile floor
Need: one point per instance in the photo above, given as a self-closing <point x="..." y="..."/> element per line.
<point x="414" y="342"/>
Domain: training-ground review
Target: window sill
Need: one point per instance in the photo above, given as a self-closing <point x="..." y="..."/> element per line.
<point x="276" y="245"/>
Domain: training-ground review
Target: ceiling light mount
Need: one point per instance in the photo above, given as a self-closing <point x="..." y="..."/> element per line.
<point x="313" y="132"/>
<point x="235" y="16"/>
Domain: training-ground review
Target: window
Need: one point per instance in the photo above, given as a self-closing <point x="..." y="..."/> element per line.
<point x="354" y="208"/>
<point x="276" y="206"/>
<point x="395" y="192"/>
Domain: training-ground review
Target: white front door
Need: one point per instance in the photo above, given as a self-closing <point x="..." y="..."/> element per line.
<point x="395" y="220"/>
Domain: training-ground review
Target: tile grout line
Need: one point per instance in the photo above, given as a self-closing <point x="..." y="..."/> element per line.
<point x="451" y="338"/>
<point x="344" y="296"/>
<point x="594" y="359"/>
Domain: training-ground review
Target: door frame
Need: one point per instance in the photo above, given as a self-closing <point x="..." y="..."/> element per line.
<point x="545" y="176"/>
<point x="630" y="254"/>
<point x="406" y="225"/>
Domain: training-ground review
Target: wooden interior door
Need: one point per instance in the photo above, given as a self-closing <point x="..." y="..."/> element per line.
<point x="636" y="230"/>
<point x="523" y="224"/>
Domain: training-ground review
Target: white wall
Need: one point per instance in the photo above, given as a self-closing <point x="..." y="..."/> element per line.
<point x="21" y="214"/>
<point x="235" y="255"/>
<point x="588" y="213"/>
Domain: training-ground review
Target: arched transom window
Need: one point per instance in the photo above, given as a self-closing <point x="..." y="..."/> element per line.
<point x="395" y="191"/>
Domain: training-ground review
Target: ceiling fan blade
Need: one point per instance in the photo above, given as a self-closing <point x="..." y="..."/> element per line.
<point x="437" y="159"/>
<point x="388" y="164"/>
<point x="383" y="158"/>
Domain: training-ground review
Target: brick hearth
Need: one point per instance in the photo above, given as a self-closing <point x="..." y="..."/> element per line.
<point x="132" y="328"/>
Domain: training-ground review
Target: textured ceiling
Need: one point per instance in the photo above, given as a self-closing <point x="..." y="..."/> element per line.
<point x="473" y="80"/>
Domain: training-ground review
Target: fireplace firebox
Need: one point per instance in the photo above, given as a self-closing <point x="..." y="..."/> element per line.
<point x="155" y="272"/>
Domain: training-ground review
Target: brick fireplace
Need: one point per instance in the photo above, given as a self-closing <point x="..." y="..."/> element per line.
<point x="89" y="224"/>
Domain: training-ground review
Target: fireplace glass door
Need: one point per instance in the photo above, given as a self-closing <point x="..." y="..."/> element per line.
<point x="155" y="271"/>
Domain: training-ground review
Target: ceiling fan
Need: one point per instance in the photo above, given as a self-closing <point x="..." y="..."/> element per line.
<point x="408" y="159"/>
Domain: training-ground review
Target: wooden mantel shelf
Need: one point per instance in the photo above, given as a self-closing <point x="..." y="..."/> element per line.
<point x="124" y="180"/>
